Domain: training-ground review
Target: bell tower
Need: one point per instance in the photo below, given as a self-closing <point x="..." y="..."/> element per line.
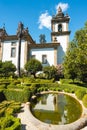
<point x="60" y="32"/>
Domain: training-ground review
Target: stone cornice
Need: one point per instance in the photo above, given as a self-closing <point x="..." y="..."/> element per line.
<point x="60" y="33"/>
<point x="44" y="45"/>
<point x="10" y="37"/>
<point x="58" y="20"/>
<point x="14" y="37"/>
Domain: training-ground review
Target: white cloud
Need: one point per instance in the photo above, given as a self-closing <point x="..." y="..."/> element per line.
<point x="64" y="6"/>
<point x="45" y="20"/>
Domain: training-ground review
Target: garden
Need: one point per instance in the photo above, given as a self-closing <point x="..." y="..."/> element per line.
<point x="70" y="77"/>
<point x="14" y="92"/>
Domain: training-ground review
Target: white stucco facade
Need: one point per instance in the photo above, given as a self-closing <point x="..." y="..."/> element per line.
<point x="49" y="52"/>
<point x="6" y="52"/>
<point x="63" y="40"/>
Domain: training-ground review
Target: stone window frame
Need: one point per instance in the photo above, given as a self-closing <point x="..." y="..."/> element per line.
<point x="13" y="52"/>
<point x="44" y="59"/>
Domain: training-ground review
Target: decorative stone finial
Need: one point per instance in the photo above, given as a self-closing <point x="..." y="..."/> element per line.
<point x="59" y="10"/>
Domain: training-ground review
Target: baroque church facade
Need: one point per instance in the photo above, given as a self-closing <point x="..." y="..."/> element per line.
<point x="47" y="53"/>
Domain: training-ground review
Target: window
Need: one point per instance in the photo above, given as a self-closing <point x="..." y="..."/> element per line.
<point x="59" y="28"/>
<point x="33" y="56"/>
<point x="13" y="52"/>
<point x="44" y="59"/>
<point x="13" y="43"/>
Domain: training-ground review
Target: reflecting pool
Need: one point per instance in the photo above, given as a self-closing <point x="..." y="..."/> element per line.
<point x="56" y="108"/>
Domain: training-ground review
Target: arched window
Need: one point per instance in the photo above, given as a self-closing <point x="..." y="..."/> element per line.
<point x="60" y="28"/>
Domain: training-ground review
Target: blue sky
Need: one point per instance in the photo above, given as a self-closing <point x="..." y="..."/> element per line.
<point x="36" y="15"/>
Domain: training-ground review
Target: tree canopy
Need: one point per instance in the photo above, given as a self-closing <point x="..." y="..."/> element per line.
<point x="75" y="63"/>
<point x="33" y="65"/>
<point x="50" y="71"/>
<point x="7" y="68"/>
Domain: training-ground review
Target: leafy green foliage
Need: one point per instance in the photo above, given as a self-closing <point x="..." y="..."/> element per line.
<point x="75" y="63"/>
<point x="70" y="68"/>
<point x="80" y="93"/>
<point x="7" y="121"/>
<point x="18" y="95"/>
<point x="33" y="66"/>
<point x="67" y="85"/>
<point x="84" y="100"/>
<point x="10" y="123"/>
<point x="50" y="72"/>
<point x="9" y="107"/>
<point x="7" y="68"/>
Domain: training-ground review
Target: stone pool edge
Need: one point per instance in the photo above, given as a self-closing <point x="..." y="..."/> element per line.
<point x="77" y="125"/>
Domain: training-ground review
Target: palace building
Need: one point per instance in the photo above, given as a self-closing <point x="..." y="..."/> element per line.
<point x="47" y="53"/>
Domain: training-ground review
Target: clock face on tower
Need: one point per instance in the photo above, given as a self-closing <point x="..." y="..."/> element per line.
<point x="59" y="28"/>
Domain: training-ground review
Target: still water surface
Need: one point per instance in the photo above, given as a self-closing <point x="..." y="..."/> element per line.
<point x="57" y="108"/>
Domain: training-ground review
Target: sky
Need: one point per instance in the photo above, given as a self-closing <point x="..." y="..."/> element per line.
<point x="37" y="15"/>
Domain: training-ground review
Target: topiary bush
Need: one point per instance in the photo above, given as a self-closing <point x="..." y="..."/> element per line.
<point x="84" y="100"/>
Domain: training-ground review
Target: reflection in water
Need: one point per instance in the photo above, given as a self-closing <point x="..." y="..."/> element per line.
<point x="44" y="100"/>
<point x="59" y="105"/>
<point x="56" y="108"/>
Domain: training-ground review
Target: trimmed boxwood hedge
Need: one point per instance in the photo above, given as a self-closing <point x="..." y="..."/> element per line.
<point x="9" y="108"/>
<point x="17" y="95"/>
<point x="10" y="123"/>
<point x="84" y="100"/>
<point x="2" y="86"/>
<point x="80" y="93"/>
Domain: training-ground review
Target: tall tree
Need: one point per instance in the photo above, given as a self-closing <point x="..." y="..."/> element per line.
<point x="81" y="38"/>
<point x="75" y="64"/>
<point x="70" y="66"/>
